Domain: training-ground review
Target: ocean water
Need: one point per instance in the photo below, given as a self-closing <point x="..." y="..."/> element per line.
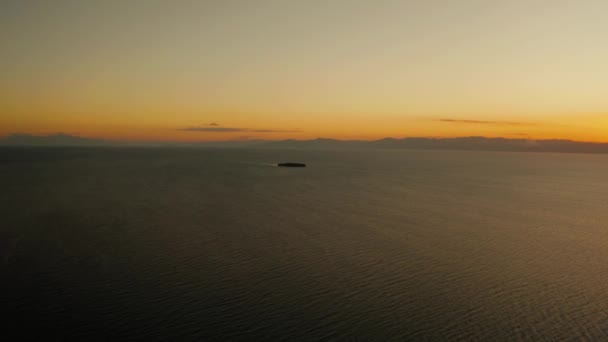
<point x="204" y="244"/>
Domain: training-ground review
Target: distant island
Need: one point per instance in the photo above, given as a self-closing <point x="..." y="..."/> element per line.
<point x="291" y="164"/>
<point x="420" y="143"/>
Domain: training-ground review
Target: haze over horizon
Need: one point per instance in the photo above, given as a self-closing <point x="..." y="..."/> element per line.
<point x="272" y="70"/>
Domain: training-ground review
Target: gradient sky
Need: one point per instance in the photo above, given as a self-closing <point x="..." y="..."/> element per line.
<point x="217" y="70"/>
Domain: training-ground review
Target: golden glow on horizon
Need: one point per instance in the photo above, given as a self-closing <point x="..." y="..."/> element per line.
<point x="144" y="70"/>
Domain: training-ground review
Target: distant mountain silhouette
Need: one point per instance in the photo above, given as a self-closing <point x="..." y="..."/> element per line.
<point x="58" y="139"/>
<point x="465" y="143"/>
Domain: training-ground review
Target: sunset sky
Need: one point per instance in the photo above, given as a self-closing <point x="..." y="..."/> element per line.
<point x="350" y="69"/>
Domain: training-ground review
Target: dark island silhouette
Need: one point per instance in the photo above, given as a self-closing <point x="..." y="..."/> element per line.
<point x="291" y="164"/>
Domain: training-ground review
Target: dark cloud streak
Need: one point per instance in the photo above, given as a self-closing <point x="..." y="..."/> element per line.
<point x="212" y="129"/>
<point x="273" y="131"/>
<point x="216" y="129"/>
<point x="482" y="122"/>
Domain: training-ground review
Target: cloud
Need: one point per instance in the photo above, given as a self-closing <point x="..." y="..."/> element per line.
<point x="482" y="122"/>
<point x="274" y="130"/>
<point x="218" y="129"/>
<point x="213" y="129"/>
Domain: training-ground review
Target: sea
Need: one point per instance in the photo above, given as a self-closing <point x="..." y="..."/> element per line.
<point x="179" y="244"/>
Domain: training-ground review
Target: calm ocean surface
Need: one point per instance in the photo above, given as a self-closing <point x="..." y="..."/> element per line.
<point x="203" y="244"/>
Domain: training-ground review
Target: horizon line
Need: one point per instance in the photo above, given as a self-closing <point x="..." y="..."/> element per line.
<point x="127" y="140"/>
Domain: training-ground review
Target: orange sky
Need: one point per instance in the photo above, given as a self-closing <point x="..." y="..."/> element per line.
<point x="153" y="70"/>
